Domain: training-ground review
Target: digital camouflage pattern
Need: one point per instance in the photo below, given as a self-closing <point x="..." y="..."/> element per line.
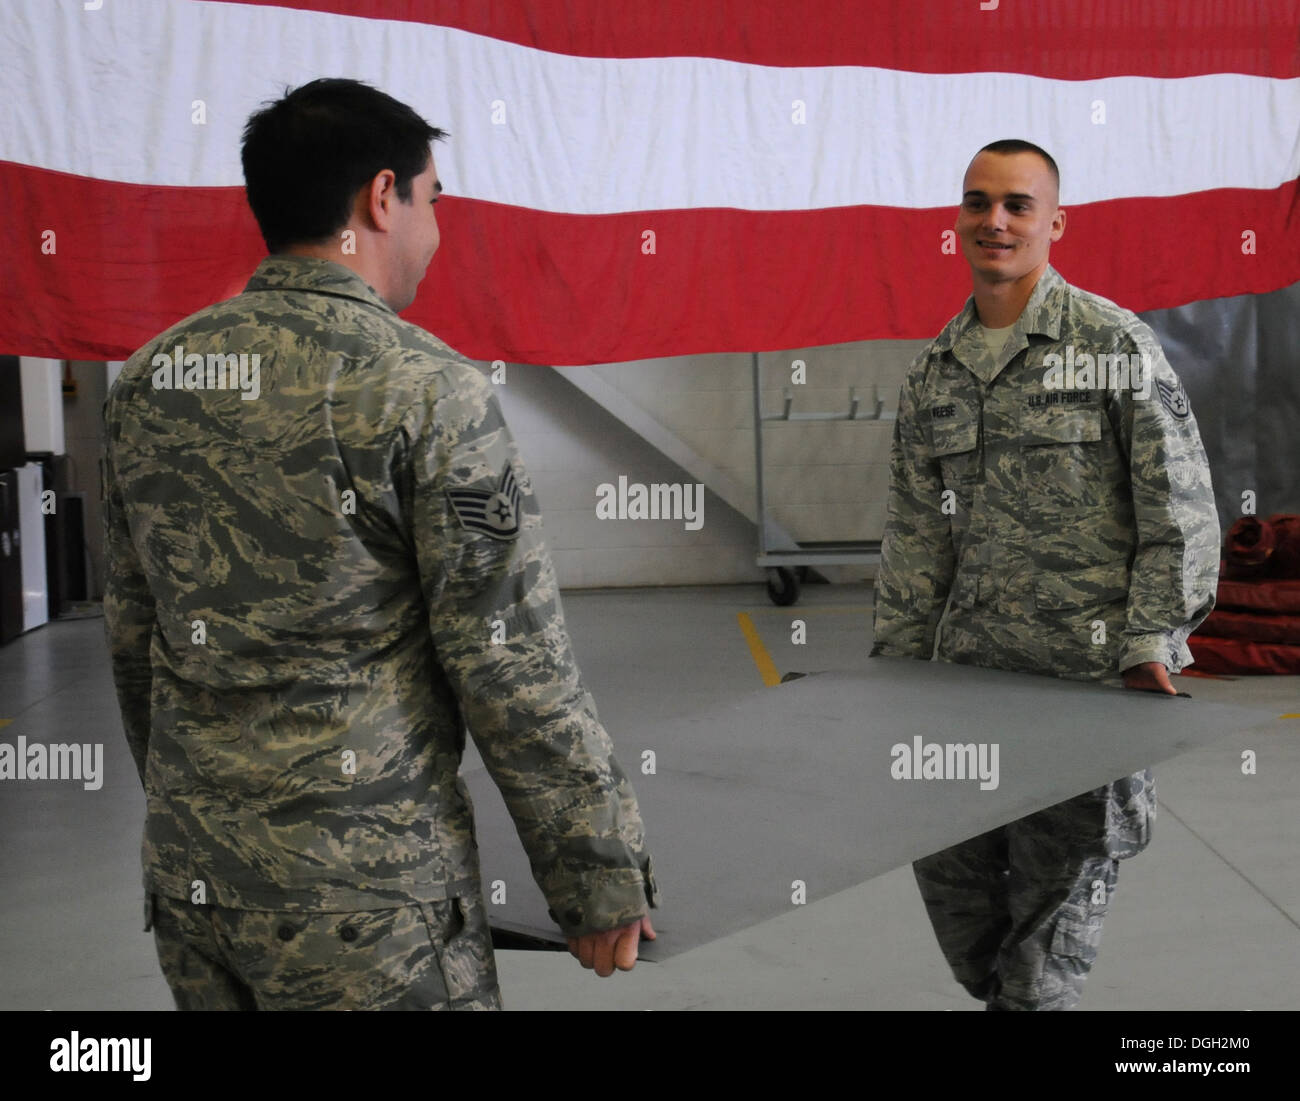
<point x="427" y="956"/>
<point x="1067" y="507"/>
<point x="1068" y="510"/>
<point x="1067" y="532"/>
<point x="1023" y="941"/>
<point x="302" y="623"/>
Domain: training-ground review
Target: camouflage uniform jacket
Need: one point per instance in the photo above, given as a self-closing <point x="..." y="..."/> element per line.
<point x="1069" y="532"/>
<point x="313" y="592"/>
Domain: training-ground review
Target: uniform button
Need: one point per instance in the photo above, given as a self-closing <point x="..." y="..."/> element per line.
<point x="285" y="932"/>
<point x="348" y="934"/>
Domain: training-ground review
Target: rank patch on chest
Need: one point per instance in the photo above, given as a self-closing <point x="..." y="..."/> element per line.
<point x="1174" y="398"/>
<point x="492" y="512"/>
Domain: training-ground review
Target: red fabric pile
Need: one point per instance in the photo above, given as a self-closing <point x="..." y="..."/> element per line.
<point x="1255" y="625"/>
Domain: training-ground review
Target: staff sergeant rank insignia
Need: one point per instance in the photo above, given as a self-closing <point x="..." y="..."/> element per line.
<point x="1174" y="397"/>
<point x="493" y="513"/>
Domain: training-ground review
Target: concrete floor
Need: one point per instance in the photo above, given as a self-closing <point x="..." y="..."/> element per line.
<point x="1207" y="918"/>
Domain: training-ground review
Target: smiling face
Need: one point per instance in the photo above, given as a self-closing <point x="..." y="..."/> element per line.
<point x="1009" y="216"/>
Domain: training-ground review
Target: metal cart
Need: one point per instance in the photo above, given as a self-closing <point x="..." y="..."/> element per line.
<point x="786" y="560"/>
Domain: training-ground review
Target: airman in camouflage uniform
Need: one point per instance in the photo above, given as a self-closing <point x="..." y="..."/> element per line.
<point x="1041" y="520"/>
<point x="323" y="568"/>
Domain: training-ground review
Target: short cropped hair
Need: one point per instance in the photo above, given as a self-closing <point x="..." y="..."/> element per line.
<point x="1016" y="145"/>
<point x="307" y="155"/>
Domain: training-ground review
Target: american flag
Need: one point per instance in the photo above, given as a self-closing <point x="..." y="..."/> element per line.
<point x="627" y="181"/>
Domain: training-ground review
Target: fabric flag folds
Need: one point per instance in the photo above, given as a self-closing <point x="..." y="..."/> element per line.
<point x="633" y="181"/>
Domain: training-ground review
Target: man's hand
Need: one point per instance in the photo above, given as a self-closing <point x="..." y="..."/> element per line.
<point x="612" y="948"/>
<point x="1150" y="676"/>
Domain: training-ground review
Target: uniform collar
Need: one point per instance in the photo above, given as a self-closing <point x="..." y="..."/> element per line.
<point x="1042" y="315"/>
<point x="307" y="273"/>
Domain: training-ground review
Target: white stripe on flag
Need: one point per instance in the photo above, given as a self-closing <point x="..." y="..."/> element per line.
<point x="109" y="94"/>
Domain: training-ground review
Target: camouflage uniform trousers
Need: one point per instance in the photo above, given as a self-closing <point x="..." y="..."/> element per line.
<point x="432" y="955"/>
<point x="1018" y="910"/>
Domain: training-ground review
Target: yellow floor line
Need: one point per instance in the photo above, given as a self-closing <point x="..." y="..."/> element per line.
<point x="5" y="722"/>
<point x="1292" y="715"/>
<point x="762" y="658"/>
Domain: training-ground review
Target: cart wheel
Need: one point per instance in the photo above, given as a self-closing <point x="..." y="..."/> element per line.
<point x="782" y="586"/>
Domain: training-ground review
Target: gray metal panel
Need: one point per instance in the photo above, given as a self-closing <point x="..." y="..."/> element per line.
<point x="794" y="783"/>
<point x="1239" y="358"/>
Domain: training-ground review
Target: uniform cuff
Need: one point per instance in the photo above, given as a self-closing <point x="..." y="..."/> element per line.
<point x="604" y="899"/>
<point x="1167" y="649"/>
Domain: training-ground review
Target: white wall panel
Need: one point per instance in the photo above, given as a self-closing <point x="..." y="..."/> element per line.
<point x="42" y="382"/>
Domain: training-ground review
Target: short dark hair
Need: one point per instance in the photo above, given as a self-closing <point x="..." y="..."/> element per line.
<point x="1016" y="145"/>
<point x="305" y="156"/>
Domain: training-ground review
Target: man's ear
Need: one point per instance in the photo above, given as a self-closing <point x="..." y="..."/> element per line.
<point x="379" y="197"/>
<point x="1058" y="223"/>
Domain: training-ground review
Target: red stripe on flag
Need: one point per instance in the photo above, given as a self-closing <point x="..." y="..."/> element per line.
<point x="523" y="286"/>
<point x="1064" y="39"/>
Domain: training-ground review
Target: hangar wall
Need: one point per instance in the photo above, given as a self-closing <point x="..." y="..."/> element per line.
<point x="1237" y="356"/>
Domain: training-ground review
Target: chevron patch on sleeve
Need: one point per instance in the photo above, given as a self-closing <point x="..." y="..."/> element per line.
<point x="1174" y="397"/>
<point x="494" y="513"/>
